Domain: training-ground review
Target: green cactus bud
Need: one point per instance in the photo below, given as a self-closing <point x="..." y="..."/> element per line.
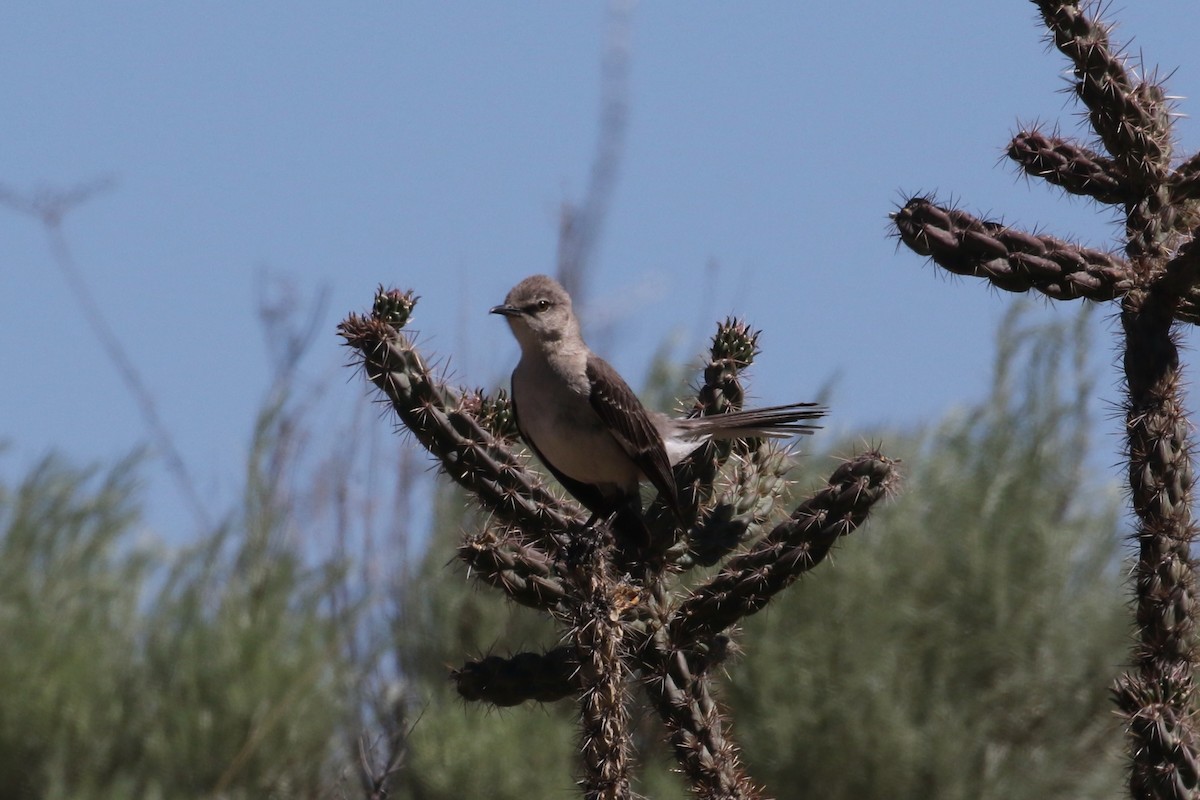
<point x="494" y="412"/>
<point x="393" y="306"/>
<point x="735" y="341"/>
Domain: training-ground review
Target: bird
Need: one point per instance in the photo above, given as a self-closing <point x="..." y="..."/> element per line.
<point x="588" y="427"/>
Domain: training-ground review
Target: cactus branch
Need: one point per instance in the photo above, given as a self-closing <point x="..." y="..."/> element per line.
<point x="680" y="691"/>
<point x="1069" y="165"/>
<point x="743" y="507"/>
<point x="1165" y="766"/>
<point x="1185" y="180"/>
<point x="1182" y="273"/>
<point x="600" y="649"/>
<point x="1128" y="115"/>
<point x="1009" y="258"/>
<point x="525" y="573"/>
<point x="1017" y="261"/>
<point x="1162" y="732"/>
<point x="734" y="346"/>
<point x="795" y="546"/>
<point x="524" y="677"/>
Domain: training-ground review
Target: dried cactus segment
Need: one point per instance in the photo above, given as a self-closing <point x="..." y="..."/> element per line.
<point x="1161" y="731"/>
<point x="393" y="306"/>
<point x="600" y="651"/>
<point x="749" y="581"/>
<point x="1166" y="757"/>
<point x="1070" y="166"/>
<point x="1166" y="603"/>
<point x="1157" y="108"/>
<point x="1161" y="480"/>
<point x="1017" y="261"/>
<point x="1129" y="115"/>
<point x="538" y="677"/>
<point x="1007" y="257"/>
<point x="524" y="572"/>
<point x="679" y="689"/>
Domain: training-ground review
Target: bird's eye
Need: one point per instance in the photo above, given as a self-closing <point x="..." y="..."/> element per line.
<point x="542" y="305"/>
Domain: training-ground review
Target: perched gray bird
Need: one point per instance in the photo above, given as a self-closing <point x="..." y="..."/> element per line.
<point x="589" y="428"/>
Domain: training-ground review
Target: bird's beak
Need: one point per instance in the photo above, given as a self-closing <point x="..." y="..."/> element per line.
<point x="505" y="311"/>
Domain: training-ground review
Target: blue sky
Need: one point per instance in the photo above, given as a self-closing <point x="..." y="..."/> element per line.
<point x="430" y="146"/>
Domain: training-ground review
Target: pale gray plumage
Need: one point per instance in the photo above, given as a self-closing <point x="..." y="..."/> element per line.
<point x="585" y="423"/>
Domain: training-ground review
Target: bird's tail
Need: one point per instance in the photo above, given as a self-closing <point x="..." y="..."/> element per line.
<point x="775" y="422"/>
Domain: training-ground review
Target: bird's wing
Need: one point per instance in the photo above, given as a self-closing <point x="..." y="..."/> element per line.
<point x="629" y="423"/>
<point x="587" y="494"/>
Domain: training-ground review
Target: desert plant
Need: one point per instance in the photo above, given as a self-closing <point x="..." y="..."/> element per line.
<point x="1155" y="285"/>
<point x="216" y="671"/>
<point x="628" y="614"/>
<point x="949" y="636"/>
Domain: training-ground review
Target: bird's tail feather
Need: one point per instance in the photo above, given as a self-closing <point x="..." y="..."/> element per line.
<point x="770" y="422"/>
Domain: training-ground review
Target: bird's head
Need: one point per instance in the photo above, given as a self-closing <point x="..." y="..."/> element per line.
<point x="538" y="309"/>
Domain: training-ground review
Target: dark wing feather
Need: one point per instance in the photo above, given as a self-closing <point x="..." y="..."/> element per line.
<point x="626" y="419"/>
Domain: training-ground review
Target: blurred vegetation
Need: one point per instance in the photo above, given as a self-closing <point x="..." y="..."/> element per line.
<point x="214" y="672"/>
<point x="960" y="646"/>
<point x="964" y="647"/>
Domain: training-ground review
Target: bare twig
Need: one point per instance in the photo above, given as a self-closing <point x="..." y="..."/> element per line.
<point x="580" y="225"/>
<point x="50" y="206"/>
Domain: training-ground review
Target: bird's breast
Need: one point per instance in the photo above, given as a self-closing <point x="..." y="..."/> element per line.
<point x="556" y="417"/>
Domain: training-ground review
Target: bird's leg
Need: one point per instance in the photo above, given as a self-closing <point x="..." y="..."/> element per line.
<point x="631" y="537"/>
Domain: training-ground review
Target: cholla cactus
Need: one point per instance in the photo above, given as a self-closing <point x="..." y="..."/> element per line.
<point x="1156" y="284"/>
<point x="623" y="631"/>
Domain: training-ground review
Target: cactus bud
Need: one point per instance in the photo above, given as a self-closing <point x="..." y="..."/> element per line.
<point x="735" y="341"/>
<point x="393" y="306"/>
